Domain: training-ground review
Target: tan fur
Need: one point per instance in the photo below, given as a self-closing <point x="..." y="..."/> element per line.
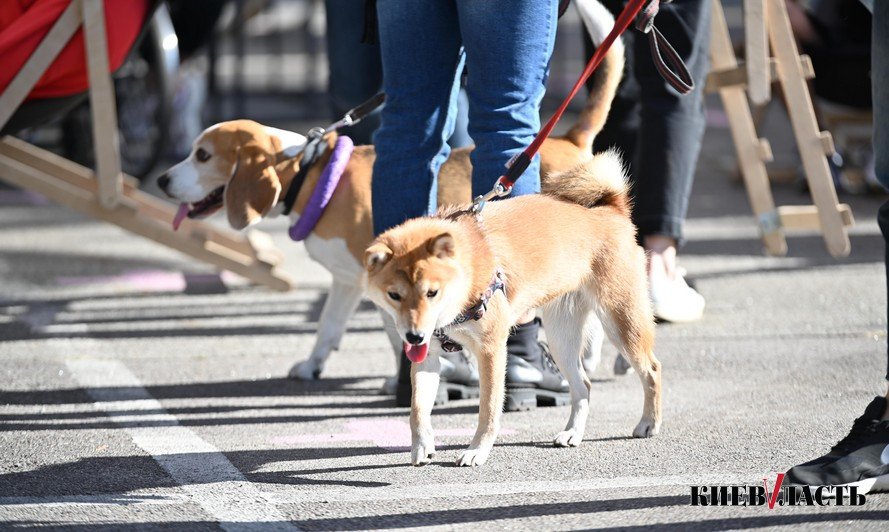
<point x="600" y="181"/>
<point x="555" y="254"/>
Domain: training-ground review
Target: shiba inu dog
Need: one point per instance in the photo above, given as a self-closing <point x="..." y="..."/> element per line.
<point x="571" y="252"/>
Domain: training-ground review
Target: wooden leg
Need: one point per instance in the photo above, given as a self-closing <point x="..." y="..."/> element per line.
<point x="102" y="104"/>
<point x="812" y="143"/>
<point x="756" y="55"/>
<point x="751" y="150"/>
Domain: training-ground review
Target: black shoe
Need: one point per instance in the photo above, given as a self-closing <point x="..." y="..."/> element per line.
<point x="458" y="375"/>
<point x="861" y="458"/>
<point x="532" y="378"/>
<point x="458" y="379"/>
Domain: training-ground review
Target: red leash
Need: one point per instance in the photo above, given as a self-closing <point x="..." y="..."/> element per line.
<point x="682" y="82"/>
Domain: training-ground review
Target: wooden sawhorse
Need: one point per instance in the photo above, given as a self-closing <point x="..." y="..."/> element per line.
<point x="766" y="21"/>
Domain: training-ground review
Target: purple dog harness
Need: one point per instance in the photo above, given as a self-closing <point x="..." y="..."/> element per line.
<point x="327" y="183"/>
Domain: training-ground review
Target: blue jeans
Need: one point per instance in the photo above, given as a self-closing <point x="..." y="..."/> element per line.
<point x="505" y="45"/>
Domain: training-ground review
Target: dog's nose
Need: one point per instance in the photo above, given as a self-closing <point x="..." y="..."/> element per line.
<point x="414" y="338"/>
<point x="163" y="182"/>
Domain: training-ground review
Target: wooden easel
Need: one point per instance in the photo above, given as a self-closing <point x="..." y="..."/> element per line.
<point x="766" y="21"/>
<point x="108" y="194"/>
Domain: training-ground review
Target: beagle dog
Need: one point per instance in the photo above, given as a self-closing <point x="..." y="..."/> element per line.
<point x="246" y="169"/>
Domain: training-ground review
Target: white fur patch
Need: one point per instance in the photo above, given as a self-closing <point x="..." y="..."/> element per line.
<point x="184" y="183"/>
<point x="334" y="255"/>
<point x="291" y="143"/>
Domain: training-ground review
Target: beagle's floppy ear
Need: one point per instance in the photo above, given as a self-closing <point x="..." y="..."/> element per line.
<point x="254" y="188"/>
<point x="376" y="256"/>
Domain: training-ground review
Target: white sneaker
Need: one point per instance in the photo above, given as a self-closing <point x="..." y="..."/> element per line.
<point x="673" y="300"/>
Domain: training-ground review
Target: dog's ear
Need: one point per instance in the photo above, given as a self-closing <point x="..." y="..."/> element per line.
<point x="443" y="246"/>
<point x="254" y="188"/>
<point x="376" y="256"/>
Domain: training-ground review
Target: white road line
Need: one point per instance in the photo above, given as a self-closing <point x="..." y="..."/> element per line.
<point x="451" y="491"/>
<point x="197" y="466"/>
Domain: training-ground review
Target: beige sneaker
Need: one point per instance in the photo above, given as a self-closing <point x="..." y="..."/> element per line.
<point x="673" y="300"/>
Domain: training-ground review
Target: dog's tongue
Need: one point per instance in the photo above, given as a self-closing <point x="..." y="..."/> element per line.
<point x="416" y="353"/>
<point x="180" y="215"/>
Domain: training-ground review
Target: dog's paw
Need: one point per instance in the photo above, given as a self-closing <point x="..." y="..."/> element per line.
<point x="473" y="457"/>
<point x="646" y="429"/>
<point x="390" y="385"/>
<point x="422" y="453"/>
<point x="568" y="438"/>
<point x="305" y="371"/>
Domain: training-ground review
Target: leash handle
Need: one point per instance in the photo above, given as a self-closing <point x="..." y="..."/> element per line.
<point x="355" y="114"/>
<point x="675" y="73"/>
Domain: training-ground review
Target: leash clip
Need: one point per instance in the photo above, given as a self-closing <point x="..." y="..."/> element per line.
<point x="498" y="191"/>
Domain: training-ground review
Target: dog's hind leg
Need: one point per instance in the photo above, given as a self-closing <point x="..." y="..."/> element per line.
<point x="566" y="322"/>
<point x="340" y="304"/>
<point x="625" y="311"/>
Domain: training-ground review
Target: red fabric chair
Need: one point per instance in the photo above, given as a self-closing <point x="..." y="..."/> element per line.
<point x="24" y="24"/>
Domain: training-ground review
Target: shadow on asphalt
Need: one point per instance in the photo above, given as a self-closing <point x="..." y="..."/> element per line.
<point x="280" y="388"/>
<point x="44" y="311"/>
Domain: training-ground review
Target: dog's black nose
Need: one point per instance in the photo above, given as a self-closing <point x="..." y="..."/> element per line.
<point x="414" y="338"/>
<point x="163" y="182"/>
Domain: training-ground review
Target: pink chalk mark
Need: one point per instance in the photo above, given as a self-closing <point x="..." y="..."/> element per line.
<point x="136" y="280"/>
<point x="389" y="434"/>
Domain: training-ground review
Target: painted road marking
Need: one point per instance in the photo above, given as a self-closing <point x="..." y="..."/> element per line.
<point x="202" y="471"/>
<point x="457" y="490"/>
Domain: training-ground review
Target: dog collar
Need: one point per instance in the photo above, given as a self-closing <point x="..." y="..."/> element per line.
<point x="324" y="189"/>
<point x="475" y="312"/>
<point x="312" y="151"/>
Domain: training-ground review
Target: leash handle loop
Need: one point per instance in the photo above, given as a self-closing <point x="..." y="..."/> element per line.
<point x="673" y="70"/>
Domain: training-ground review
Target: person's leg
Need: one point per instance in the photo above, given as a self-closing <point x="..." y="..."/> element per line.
<point x="420" y="47"/>
<point x="880" y="84"/>
<point x="669" y="142"/>
<point x="672" y="124"/>
<point x="508" y="48"/>
<point x="659" y="133"/>
<point x="858" y="458"/>
<point x="356" y="71"/>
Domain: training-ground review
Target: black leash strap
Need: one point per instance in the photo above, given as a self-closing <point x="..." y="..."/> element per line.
<point x="666" y="60"/>
<point x="315" y="148"/>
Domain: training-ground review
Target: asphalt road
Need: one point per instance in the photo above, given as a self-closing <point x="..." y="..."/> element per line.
<point x="138" y="387"/>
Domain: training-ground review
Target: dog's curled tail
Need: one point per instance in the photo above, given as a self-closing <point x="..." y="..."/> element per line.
<point x="600" y="181"/>
<point x="605" y="80"/>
